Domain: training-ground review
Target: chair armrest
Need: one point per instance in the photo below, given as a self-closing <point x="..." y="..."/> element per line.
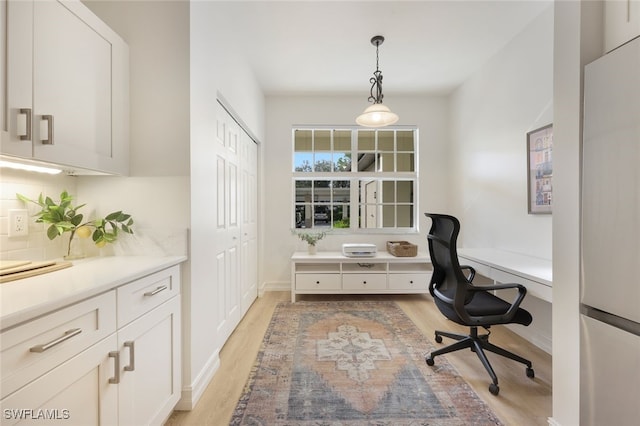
<point x="511" y="312"/>
<point x="472" y="272"/>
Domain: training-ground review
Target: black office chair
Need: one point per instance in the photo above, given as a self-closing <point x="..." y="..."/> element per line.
<point x="462" y="302"/>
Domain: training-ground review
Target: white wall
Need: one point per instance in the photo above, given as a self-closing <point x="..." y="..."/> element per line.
<point x="491" y="114"/>
<point x="217" y="68"/>
<point x="430" y="114"/>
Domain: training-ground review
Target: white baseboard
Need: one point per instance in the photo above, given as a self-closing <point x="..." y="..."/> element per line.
<point x="276" y="286"/>
<point x="552" y="422"/>
<point x="192" y="393"/>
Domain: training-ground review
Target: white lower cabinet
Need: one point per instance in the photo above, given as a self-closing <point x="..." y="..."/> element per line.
<point x="333" y="273"/>
<point x="77" y="392"/>
<point x="80" y="365"/>
<point x="150" y="366"/>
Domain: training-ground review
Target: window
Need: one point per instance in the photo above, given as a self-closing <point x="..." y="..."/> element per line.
<point x="355" y="178"/>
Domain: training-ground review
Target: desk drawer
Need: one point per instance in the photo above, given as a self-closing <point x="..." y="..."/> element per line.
<point x="35" y="347"/>
<point x="141" y="296"/>
<point x="410" y="282"/>
<point x="317" y="281"/>
<point x="364" y="282"/>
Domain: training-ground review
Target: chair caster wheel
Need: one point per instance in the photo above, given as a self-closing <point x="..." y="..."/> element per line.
<point x="430" y="362"/>
<point x="438" y="338"/>
<point x="494" y="389"/>
<point x="530" y="373"/>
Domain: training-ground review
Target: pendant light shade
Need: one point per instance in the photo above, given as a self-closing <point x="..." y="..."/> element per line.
<point x="378" y="114"/>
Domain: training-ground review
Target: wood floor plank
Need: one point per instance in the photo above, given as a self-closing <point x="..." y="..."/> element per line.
<point x="522" y="401"/>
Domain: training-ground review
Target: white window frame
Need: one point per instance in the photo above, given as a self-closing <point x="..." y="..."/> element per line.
<point x="355" y="176"/>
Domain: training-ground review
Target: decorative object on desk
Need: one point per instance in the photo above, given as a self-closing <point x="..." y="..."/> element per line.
<point x="402" y="248"/>
<point x="64" y="217"/>
<point x="540" y="170"/>
<point x="352" y="362"/>
<point x="311" y="238"/>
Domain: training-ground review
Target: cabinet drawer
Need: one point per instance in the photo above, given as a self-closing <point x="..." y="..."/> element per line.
<point x="35" y="347"/>
<point x="412" y="282"/>
<point x="364" y="282"/>
<point x="142" y="295"/>
<point x="317" y="282"/>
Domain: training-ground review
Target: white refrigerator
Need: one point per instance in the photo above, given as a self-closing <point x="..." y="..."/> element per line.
<point x="610" y="283"/>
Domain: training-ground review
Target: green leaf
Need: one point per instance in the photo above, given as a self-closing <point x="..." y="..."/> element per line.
<point x="113" y="216"/>
<point x="52" y="232"/>
<point x="76" y="220"/>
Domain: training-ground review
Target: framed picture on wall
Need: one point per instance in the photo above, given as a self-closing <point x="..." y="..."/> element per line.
<point x="540" y="170"/>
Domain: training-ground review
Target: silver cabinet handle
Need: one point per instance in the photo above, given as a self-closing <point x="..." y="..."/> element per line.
<point x="132" y="356"/>
<point x="156" y="291"/>
<point x="67" y="335"/>
<point x="116" y="367"/>
<point x="27" y="135"/>
<point x="49" y="139"/>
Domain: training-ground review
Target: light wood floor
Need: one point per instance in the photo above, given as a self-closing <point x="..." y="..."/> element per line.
<point x="522" y="401"/>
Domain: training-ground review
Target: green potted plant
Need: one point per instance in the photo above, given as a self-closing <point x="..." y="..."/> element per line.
<point x="311" y="238"/>
<point x="62" y="217"/>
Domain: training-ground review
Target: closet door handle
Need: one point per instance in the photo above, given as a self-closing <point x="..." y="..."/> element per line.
<point x="27" y="135"/>
<point x="132" y="356"/>
<point x="116" y="367"/>
<point x="67" y="335"/>
<point x="49" y="139"/>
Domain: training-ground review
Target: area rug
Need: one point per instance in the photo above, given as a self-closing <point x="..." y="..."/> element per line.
<point x="353" y="363"/>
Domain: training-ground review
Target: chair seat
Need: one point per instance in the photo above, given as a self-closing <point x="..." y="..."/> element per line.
<point x="485" y="304"/>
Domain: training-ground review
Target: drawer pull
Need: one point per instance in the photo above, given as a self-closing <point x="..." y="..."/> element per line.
<point x="156" y="291"/>
<point x="132" y="356"/>
<point x="116" y="367"/>
<point x="67" y="335"/>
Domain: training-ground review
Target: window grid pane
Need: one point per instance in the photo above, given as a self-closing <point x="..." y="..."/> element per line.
<point x="382" y="203"/>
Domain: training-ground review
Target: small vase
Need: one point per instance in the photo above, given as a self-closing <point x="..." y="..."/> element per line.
<point x="312" y="249"/>
<point x="74" y="249"/>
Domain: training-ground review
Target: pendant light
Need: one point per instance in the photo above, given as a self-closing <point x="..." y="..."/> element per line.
<point x="378" y="114"/>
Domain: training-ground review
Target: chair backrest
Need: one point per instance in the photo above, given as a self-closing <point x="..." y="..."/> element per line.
<point x="448" y="282"/>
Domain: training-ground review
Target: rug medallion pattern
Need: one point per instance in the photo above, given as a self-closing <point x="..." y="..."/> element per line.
<point x="353" y="363"/>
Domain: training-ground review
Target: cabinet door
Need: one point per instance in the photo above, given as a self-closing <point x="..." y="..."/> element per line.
<point x="150" y="375"/>
<point x="16" y="136"/>
<point x="77" y="392"/>
<point x="622" y="22"/>
<point x="74" y="82"/>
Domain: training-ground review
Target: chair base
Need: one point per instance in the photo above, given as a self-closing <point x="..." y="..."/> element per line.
<point x="478" y="344"/>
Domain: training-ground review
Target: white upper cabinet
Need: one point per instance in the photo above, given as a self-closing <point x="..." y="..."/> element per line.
<point x="622" y="22"/>
<point x="67" y="87"/>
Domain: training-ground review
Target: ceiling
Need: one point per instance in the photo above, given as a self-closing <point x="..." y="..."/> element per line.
<point x="324" y="46"/>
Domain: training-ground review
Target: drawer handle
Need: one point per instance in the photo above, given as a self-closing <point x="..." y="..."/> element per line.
<point x="116" y="367"/>
<point x="364" y="282"/>
<point x="67" y="335"/>
<point x="317" y="282"/>
<point x="132" y="357"/>
<point x="156" y="291"/>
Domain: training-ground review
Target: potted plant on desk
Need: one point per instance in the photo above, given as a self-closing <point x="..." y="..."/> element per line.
<point x="311" y="238"/>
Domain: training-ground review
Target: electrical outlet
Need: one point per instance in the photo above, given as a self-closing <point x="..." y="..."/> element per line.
<point x="18" y="223"/>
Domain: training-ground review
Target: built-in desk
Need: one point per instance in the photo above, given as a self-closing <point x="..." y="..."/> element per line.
<point x="506" y="267"/>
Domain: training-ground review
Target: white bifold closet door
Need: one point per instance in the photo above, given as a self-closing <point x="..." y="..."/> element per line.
<point x="235" y="195"/>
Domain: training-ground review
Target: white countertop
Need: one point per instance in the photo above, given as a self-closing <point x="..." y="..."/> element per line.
<point x="530" y="267"/>
<point x="24" y="299"/>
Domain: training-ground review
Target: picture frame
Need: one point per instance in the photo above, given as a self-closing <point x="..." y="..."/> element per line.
<point x="540" y="170"/>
